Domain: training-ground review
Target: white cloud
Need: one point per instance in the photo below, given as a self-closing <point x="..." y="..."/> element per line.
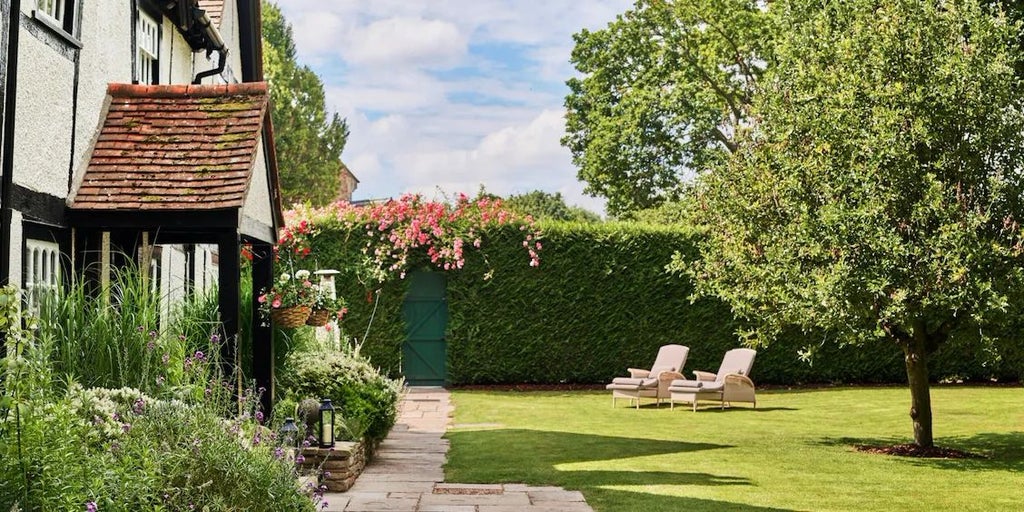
<point x="450" y="94"/>
<point x="414" y="42"/>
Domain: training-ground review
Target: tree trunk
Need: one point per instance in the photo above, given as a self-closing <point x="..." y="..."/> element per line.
<point x="916" y="356"/>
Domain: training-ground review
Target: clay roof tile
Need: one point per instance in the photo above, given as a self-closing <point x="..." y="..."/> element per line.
<point x="184" y="147"/>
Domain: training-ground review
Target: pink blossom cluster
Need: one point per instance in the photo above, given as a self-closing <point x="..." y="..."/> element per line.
<point x="397" y="227"/>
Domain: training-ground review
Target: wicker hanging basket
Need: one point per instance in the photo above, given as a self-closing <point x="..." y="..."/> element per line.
<point x="292" y="317"/>
<point x="318" y="318"/>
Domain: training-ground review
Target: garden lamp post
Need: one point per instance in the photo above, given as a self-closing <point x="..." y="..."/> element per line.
<point x="326" y="426"/>
<point x="290" y="433"/>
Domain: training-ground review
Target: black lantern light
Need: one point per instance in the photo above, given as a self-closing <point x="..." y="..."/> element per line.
<point x="290" y="433"/>
<point x="325" y="432"/>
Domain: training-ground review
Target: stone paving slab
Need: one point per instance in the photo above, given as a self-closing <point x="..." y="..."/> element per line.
<point x="407" y="475"/>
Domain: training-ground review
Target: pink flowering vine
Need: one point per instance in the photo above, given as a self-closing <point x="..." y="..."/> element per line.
<point x="396" y="228"/>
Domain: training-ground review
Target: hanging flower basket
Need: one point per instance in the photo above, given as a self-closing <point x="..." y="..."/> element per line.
<point x="318" y="318"/>
<point x="292" y="317"/>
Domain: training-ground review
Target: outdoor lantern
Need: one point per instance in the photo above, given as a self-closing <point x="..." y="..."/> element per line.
<point x="326" y="430"/>
<point x="290" y="433"/>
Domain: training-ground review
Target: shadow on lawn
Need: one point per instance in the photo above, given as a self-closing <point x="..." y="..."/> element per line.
<point x="531" y="457"/>
<point x="739" y="409"/>
<point x="1002" y="451"/>
<point x="608" y="499"/>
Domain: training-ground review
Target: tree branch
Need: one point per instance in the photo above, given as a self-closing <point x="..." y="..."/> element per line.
<point x="740" y="61"/>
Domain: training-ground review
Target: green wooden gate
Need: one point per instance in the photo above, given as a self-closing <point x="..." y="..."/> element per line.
<point x="426" y="315"/>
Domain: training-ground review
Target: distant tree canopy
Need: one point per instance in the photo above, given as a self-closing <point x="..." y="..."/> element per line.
<point x="309" y="142"/>
<point x="665" y="89"/>
<point x="547" y="206"/>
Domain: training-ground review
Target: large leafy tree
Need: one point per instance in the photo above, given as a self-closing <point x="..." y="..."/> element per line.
<point x="309" y="142"/>
<point x="878" y="191"/>
<point x="662" y="93"/>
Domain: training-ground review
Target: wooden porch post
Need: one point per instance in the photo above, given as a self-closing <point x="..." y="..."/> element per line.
<point x="229" y="278"/>
<point x="262" y="332"/>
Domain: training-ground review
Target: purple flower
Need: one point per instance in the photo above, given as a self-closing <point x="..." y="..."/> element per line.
<point x="166" y="359"/>
<point x="299" y="459"/>
<point x="305" y="443"/>
<point x="141" y="329"/>
<point x="215" y="339"/>
<point x="126" y="427"/>
<point x="181" y="337"/>
<point x="259" y="417"/>
<point x="90" y="506"/>
<point x="199" y="356"/>
<point x="140" y="406"/>
<point x="152" y="334"/>
<point x="278" y="453"/>
<point x="327" y="474"/>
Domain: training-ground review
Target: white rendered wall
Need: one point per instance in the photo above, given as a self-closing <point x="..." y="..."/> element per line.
<point x="14" y="258"/>
<point x="230" y="34"/>
<point x="42" y="133"/>
<point x="106" y="57"/>
<point x="257" y="199"/>
<point x="173" y="276"/>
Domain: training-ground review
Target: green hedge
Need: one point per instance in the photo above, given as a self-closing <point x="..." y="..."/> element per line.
<point x="600" y="302"/>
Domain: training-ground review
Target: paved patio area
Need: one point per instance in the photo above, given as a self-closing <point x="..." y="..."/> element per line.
<point x="406" y="474"/>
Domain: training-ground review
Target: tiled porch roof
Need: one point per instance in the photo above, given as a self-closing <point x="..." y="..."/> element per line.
<point x="174" y="147"/>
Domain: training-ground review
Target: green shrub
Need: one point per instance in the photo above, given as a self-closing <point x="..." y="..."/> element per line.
<point x="158" y="456"/>
<point x="601" y="301"/>
<point x="366" y="400"/>
<point x="63" y="447"/>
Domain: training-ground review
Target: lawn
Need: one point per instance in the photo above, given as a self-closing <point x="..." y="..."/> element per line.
<point x="794" y="452"/>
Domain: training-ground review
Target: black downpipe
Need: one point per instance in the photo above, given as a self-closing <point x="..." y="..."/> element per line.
<point x="10" y="104"/>
<point x="222" y="62"/>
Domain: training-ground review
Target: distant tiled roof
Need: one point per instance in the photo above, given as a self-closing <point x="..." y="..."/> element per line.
<point x="174" y="147"/>
<point x="214" y="9"/>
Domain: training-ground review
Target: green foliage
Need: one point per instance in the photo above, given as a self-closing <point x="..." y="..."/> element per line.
<point x="308" y="141"/>
<point x="168" y="456"/>
<point x="880" y="190"/>
<point x="121" y="344"/>
<point x="366" y="399"/>
<point x="63" y="447"/>
<point x="544" y="206"/>
<point x="664" y="89"/>
<point x="601" y="302"/>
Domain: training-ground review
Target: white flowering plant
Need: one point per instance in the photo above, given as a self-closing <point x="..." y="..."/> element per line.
<point x="288" y="291"/>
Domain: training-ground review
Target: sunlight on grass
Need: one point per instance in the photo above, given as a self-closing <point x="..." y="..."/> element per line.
<point x="794" y="452"/>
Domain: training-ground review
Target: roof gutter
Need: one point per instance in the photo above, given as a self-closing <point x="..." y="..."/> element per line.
<point x="7" y="164"/>
<point x="215" y="43"/>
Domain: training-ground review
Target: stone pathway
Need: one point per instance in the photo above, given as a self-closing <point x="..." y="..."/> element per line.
<point x="406" y="474"/>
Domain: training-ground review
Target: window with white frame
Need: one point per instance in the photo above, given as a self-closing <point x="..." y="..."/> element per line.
<point x="42" y="260"/>
<point x="58" y="12"/>
<point x="148" y="50"/>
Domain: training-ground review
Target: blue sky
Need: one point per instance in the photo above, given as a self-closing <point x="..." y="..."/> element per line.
<point x="450" y="94"/>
